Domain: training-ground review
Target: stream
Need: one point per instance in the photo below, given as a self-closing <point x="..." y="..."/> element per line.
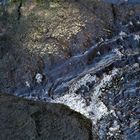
<point x="103" y="83"/>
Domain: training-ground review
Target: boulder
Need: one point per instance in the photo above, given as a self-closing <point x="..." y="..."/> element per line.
<point x="28" y="120"/>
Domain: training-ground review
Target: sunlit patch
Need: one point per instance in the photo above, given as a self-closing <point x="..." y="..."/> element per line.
<point x="54" y="5"/>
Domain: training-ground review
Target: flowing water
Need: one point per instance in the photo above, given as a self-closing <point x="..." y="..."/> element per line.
<point x="102" y="83"/>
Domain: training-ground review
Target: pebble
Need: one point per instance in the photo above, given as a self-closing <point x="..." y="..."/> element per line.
<point x="27" y="84"/>
<point x="122" y="33"/>
<point x="137" y="37"/>
<point x="38" y="78"/>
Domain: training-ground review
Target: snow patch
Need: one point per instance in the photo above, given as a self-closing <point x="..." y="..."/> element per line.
<point x="75" y="102"/>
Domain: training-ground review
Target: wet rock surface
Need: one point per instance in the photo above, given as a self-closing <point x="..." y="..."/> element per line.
<point x="93" y="64"/>
<point x="29" y="120"/>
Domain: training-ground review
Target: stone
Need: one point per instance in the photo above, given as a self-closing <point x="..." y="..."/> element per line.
<point x="29" y="120"/>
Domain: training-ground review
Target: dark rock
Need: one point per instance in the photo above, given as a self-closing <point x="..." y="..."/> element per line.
<point x="28" y="120"/>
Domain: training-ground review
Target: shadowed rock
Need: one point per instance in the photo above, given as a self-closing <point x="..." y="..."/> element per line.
<point x="28" y="120"/>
